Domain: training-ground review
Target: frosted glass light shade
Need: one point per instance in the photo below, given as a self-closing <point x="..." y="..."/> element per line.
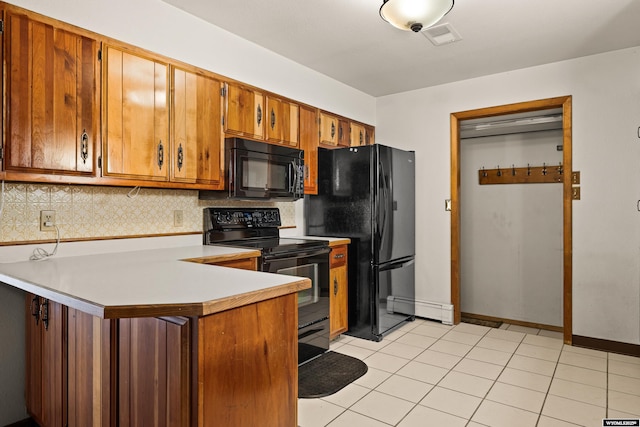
<point x="414" y="15"/>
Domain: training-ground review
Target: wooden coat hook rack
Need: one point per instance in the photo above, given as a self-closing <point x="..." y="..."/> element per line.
<point x="522" y="175"/>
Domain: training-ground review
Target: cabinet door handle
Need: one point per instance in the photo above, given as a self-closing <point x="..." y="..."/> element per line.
<point x="180" y="157"/>
<point x="259" y="114"/>
<point x="35" y="309"/>
<point x="335" y="286"/>
<point x="273" y="119"/>
<point x="340" y="133"/>
<point x="160" y="155"/>
<point x="338" y="256"/>
<point x="333" y="130"/>
<point x="44" y="312"/>
<point x="84" y="147"/>
<point x="361" y="138"/>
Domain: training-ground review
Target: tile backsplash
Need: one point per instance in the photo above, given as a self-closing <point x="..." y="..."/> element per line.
<point x="83" y="212"/>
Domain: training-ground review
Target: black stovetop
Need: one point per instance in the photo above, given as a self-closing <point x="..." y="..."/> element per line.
<point x="252" y="228"/>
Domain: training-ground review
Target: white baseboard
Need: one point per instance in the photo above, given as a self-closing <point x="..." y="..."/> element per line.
<point x="425" y="309"/>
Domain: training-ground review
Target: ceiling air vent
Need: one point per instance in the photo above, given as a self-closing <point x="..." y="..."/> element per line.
<point x="442" y="34"/>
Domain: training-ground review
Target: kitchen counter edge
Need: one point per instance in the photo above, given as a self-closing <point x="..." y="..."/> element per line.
<point x="253" y="286"/>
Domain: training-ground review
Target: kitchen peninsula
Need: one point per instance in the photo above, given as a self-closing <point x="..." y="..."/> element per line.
<point x="132" y="338"/>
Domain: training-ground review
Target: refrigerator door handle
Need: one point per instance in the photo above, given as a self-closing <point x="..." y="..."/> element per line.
<point x="385" y="203"/>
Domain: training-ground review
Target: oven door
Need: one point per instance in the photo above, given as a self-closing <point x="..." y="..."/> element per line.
<point x="257" y="175"/>
<point x="313" y="303"/>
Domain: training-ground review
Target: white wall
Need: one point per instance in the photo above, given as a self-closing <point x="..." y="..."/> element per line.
<point x="606" y="148"/>
<point x="511" y="249"/>
<point x="161" y="28"/>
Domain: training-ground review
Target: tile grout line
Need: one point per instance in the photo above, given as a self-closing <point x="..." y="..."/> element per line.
<point x="464" y="356"/>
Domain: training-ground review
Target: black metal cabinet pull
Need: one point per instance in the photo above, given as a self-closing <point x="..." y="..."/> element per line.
<point x="180" y="157"/>
<point x="335" y="286"/>
<point x="333" y="130"/>
<point x="44" y="312"/>
<point x="35" y="308"/>
<point x="160" y="155"/>
<point x="84" y="148"/>
<point x="273" y="119"/>
<point x="259" y="114"/>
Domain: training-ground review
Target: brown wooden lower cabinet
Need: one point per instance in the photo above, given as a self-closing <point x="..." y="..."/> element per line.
<point x="338" y="291"/>
<point x="89" y="393"/>
<point x="45" y="361"/>
<point x="233" y="368"/>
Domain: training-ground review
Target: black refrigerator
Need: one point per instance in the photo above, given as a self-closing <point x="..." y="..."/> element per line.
<point x="368" y="195"/>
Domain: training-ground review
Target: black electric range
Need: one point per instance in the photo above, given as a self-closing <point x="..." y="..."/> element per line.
<point x="259" y="228"/>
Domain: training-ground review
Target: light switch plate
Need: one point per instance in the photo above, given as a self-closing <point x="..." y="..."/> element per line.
<point x="575" y="193"/>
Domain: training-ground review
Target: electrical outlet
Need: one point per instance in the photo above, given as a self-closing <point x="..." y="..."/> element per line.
<point x="47" y="220"/>
<point x="178" y="218"/>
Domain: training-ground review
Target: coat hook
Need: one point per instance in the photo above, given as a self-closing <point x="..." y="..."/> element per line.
<point x="560" y="170"/>
<point x="544" y="169"/>
<point x="513" y="170"/>
<point x="484" y="172"/>
<point x="499" y="171"/>
<point x="528" y="170"/>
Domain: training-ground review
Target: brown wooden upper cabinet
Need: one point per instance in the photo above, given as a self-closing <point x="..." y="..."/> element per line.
<point x="358" y="135"/>
<point x="344" y="132"/>
<point x="282" y="121"/>
<point x="135" y="115"/>
<point x="370" y="135"/>
<point x="197" y="130"/>
<point x="52" y="98"/>
<point x="244" y="113"/>
<point x="309" y="143"/>
<point x="328" y="129"/>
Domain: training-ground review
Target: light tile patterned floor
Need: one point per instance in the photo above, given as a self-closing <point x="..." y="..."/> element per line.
<point x="429" y="374"/>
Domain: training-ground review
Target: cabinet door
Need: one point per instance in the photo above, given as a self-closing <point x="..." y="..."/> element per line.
<point x="136" y="142"/>
<point x="338" y="315"/>
<point x="34" y="357"/>
<point x="344" y="133"/>
<point x="154" y="380"/>
<point x="370" y="135"/>
<point x="309" y="143"/>
<point x="328" y="129"/>
<point x="282" y="125"/>
<point x="244" y="113"/>
<point x="52" y="89"/>
<point x="89" y="351"/>
<point x="358" y="135"/>
<point x="46" y="386"/>
<point x="197" y="129"/>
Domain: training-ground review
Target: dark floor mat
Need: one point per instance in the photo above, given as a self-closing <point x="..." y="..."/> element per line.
<point x="489" y="323"/>
<point x="328" y="374"/>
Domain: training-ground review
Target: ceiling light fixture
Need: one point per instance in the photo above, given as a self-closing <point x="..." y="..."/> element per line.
<point x="414" y="15"/>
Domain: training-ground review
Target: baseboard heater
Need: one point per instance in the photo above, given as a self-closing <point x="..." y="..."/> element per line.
<point x="425" y="309"/>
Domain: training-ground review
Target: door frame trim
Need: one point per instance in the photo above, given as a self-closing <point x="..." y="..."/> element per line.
<point x="563" y="102"/>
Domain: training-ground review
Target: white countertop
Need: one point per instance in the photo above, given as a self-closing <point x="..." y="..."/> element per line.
<point x="333" y="241"/>
<point x="144" y="283"/>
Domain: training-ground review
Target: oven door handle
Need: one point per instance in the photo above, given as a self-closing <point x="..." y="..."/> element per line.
<point x="296" y="254"/>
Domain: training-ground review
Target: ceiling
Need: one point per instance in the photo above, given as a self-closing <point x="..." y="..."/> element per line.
<point x="348" y="41"/>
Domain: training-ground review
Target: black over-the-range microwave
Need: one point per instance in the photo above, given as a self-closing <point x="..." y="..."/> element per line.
<point x="257" y="170"/>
